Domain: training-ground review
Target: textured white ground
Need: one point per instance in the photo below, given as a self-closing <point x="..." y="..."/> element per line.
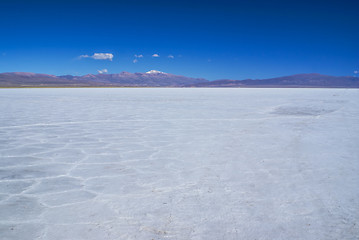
<point x="101" y="164"/>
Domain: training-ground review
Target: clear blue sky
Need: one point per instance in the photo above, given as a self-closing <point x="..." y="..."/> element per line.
<point x="210" y="39"/>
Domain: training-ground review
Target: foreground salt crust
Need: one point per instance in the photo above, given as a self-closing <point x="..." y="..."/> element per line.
<point x="179" y="164"/>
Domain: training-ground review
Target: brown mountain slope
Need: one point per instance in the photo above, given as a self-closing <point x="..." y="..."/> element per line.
<point x="149" y="79"/>
<point x="160" y="79"/>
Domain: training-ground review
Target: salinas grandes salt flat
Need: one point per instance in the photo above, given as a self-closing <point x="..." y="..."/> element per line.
<point x="95" y="164"/>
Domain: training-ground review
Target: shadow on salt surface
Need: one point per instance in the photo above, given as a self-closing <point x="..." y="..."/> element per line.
<point x="67" y="197"/>
<point x="293" y="110"/>
<point x="20" y="208"/>
<point x="21" y="230"/>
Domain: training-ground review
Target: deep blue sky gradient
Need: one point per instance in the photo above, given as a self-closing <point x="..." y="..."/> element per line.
<point x="210" y="39"/>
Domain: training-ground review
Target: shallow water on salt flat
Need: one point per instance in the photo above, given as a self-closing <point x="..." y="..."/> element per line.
<point x="179" y="164"/>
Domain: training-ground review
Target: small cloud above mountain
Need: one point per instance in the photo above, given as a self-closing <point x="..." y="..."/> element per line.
<point x="171" y="56"/>
<point x="102" y="71"/>
<point x="137" y="56"/>
<point x="155" y="55"/>
<point x="99" y="56"/>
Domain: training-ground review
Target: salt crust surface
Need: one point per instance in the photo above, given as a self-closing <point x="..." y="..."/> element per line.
<point x="179" y="164"/>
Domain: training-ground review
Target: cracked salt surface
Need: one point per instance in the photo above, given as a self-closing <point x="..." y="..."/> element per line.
<point x="179" y="164"/>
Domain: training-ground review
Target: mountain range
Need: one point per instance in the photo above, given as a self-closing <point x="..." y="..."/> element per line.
<point x="155" y="78"/>
<point x="151" y="78"/>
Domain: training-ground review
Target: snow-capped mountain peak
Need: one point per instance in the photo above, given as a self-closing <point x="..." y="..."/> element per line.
<point x="155" y="71"/>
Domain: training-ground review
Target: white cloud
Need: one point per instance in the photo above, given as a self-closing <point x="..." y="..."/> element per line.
<point x="135" y="61"/>
<point x="138" y="56"/>
<point x="171" y="56"/>
<point x="102" y="71"/>
<point x="155" y="55"/>
<point x="99" y="56"/>
<point x="356" y="72"/>
<point x="103" y="56"/>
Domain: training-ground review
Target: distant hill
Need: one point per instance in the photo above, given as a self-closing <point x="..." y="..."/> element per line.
<point x="21" y="79"/>
<point x="155" y="78"/>
<point x="298" y="80"/>
<point x="152" y="78"/>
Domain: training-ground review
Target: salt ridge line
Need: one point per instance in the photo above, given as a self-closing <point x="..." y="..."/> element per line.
<point x="153" y="120"/>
